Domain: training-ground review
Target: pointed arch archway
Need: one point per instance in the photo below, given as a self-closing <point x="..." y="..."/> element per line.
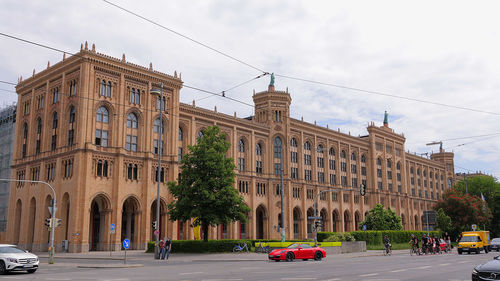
<point x="131" y="210"/>
<point x="416" y="222"/>
<point x="45" y="236"/>
<point x="310" y="213"/>
<point x="261" y="222"/>
<point x="17" y="221"/>
<point x="347" y="221"/>
<point x="357" y="220"/>
<point x="31" y="224"/>
<point x="65" y="207"/>
<point x="162" y="221"/>
<point x="324" y="219"/>
<point x="100" y="212"/>
<point x="296" y="223"/>
<point x="335" y="220"/>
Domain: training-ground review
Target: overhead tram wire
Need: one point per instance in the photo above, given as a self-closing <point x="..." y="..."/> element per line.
<point x="385" y="94"/>
<point x="466" y="143"/>
<point x="183" y="36"/>
<point x="232" y="88"/>
<point x="471" y="137"/>
<point x="6" y="82"/>
<point x="77" y="55"/>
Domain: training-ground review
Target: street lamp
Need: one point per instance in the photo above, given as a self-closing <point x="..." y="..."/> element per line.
<point x="158" y="179"/>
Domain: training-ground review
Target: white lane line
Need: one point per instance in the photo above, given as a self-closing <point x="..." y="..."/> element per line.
<point x="423" y="267"/>
<point x="299" y="278"/>
<point x="398" y="270"/>
<point x="187" y="273"/>
<point x="222" y="279"/>
<point x="334" y="279"/>
<point x="444" y="264"/>
<point x="369" y="274"/>
<point x="464" y="261"/>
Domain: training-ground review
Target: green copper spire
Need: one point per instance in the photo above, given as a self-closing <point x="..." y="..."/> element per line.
<point x="386" y="119"/>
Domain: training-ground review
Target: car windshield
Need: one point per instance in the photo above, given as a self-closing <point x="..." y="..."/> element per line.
<point x="293" y="246"/>
<point x="10" y="250"/>
<point x="469" y="239"/>
<point x="496" y="240"/>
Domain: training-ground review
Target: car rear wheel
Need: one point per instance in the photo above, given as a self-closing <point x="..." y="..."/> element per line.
<point x="478" y="251"/>
<point x="318" y="256"/>
<point x="485" y="250"/>
<point x="31" y="270"/>
<point x="459" y="251"/>
<point x="2" y="268"/>
<point x="290" y="256"/>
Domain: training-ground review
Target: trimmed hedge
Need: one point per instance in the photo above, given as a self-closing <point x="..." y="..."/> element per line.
<point x="212" y="246"/>
<point x="373" y="237"/>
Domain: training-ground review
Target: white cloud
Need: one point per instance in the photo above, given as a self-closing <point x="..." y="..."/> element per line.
<point x="445" y="52"/>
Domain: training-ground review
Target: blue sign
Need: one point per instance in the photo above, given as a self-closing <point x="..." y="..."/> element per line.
<point x="112" y="227"/>
<point x="126" y="243"/>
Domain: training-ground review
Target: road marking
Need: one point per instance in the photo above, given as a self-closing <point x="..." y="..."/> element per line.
<point x="423" y="267"/>
<point x="334" y="279"/>
<point x="369" y="274"/>
<point x="186" y="273"/>
<point x="222" y="279"/>
<point x="444" y="264"/>
<point x="299" y="278"/>
<point x="398" y="270"/>
<point x="463" y="261"/>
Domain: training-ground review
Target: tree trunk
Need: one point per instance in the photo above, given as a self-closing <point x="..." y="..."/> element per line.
<point x="204" y="226"/>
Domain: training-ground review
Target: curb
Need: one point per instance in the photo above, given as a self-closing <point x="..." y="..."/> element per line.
<point x="86" y="258"/>
<point x="111" y="266"/>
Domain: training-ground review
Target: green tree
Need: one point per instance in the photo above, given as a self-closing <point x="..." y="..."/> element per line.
<point x="490" y="189"/>
<point x="204" y="189"/>
<point x="443" y="221"/>
<point x="463" y="209"/>
<point x="382" y="219"/>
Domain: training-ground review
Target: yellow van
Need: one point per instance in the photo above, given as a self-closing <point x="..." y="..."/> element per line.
<point x="474" y="241"/>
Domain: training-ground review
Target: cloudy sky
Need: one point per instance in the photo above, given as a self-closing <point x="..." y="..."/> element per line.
<point x="441" y="52"/>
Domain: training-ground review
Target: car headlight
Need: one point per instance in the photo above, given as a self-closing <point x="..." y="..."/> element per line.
<point x="474" y="271"/>
<point x="12" y="260"/>
<point x="473" y="246"/>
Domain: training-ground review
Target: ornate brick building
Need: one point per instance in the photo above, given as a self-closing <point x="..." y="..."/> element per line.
<point x="89" y="126"/>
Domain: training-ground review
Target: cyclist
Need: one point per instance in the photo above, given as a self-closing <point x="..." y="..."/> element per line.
<point x="447" y="239"/>
<point x="387" y="244"/>
<point x="414" y="244"/>
<point x="425" y="240"/>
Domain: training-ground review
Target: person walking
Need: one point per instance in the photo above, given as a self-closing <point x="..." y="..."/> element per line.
<point x="162" y="249"/>
<point x="168" y="246"/>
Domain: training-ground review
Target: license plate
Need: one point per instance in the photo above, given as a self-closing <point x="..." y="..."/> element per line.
<point x="271" y="256"/>
<point x="28" y="265"/>
<point x="465" y="249"/>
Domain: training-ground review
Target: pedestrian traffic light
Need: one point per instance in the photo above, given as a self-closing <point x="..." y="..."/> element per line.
<point x="48" y="222"/>
<point x="154" y="224"/>
<point x="318" y="225"/>
<point x="362" y="189"/>
<point x="58" y="222"/>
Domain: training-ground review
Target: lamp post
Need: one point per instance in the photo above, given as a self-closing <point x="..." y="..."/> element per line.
<point x="158" y="179"/>
<point x="53" y="215"/>
<point x="281" y="192"/>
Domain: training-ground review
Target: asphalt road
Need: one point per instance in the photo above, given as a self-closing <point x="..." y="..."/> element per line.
<point x="359" y="267"/>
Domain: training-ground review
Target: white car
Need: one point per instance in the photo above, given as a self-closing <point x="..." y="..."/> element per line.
<point x="13" y="258"/>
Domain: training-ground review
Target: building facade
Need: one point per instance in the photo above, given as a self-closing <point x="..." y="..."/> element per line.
<point x="7" y="127"/>
<point x="89" y="126"/>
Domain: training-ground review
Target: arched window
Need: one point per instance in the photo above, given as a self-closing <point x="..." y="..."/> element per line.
<point x="332" y="151"/>
<point x="307" y="146"/>
<point x="103" y="88"/>
<point x="241" y="146"/>
<point x="277" y="147"/>
<point x="363" y="158"/>
<point x="398" y="166"/>
<point x="450" y="183"/>
<point x="342" y="154"/>
<point x="71" y="129"/>
<point x="108" y="90"/>
<point x="200" y="134"/>
<point x="180" y="134"/>
<point x="72" y="114"/>
<point x="55" y="120"/>
<point x="418" y="171"/>
<point x="39" y="126"/>
<point x="319" y="149"/>
<point x="293" y="142"/>
<point x="379" y="161"/>
<point x="411" y="170"/>
<point x="353" y="156"/>
<point x="102" y="115"/>
<point x="389" y="164"/>
<point x="132" y="121"/>
<point x="258" y="149"/>
<point x="156" y="126"/>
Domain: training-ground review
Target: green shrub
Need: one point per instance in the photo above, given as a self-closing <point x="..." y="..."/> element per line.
<point x="340" y="237"/>
<point x="373" y="237"/>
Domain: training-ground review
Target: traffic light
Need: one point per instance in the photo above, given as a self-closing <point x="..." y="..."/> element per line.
<point x="58" y="222"/>
<point x="362" y="189"/>
<point x="318" y="225"/>
<point x="154" y="224"/>
<point x="48" y="222"/>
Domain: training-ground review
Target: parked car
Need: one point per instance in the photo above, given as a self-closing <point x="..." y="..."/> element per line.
<point x="495" y="244"/>
<point x="298" y="251"/>
<point x="487" y="271"/>
<point x="13" y="258"/>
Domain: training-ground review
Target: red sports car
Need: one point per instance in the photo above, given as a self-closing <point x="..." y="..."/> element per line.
<point x="298" y="251"/>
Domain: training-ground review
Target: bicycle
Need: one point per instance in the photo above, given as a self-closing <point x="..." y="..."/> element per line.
<point x="262" y="249"/>
<point x="415" y="250"/>
<point x="388" y="249"/>
<point x="239" y="248"/>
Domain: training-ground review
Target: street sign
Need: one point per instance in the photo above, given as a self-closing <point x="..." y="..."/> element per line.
<point x="157" y="232"/>
<point x="314" y="218"/>
<point x="430" y="217"/>
<point x="126" y="243"/>
<point x="112" y="227"/>
<point x="474" y="227"/>
<point x="50" y="210"/>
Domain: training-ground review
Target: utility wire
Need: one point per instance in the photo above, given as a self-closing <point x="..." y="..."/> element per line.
<point x="77" y="55"/>
<point x="183" y="36"/>
<point x="10" y="83"/>
<point x="232" y="88"/>
<point x="478" y="136"/>
<point x="10" y="91"/>
<point x="385" y="94"/>
<point x="471" y="142"/>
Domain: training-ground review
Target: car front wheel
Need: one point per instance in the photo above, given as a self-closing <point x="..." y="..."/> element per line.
<point x="2" y="268"/>
<point x="318" y="256"/>
<point x="290" y="256"/>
